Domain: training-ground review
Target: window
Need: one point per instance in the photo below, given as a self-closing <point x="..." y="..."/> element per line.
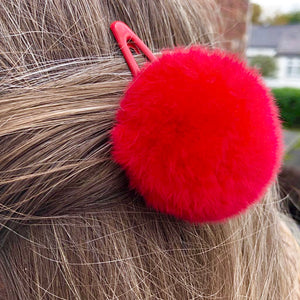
<point x="293" y="67"/>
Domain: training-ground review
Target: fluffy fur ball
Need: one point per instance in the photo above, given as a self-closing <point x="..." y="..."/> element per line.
<point x="198" y="135"/>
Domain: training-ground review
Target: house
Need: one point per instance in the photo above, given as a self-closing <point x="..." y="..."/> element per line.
<point x="283" y="43"/>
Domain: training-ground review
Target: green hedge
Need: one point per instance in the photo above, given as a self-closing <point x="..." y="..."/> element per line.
<point x="288" y="100"/>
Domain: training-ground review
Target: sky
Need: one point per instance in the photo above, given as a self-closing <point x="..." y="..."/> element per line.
<point x="272" y="6"/>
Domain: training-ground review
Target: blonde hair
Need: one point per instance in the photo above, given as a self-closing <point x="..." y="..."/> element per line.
<point x="69" y="226"/>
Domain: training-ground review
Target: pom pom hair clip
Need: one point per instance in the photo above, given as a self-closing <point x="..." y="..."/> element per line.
<point x="197" y="132"/>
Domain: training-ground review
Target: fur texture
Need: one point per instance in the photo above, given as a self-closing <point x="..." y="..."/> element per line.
<point x="198" y="135"/>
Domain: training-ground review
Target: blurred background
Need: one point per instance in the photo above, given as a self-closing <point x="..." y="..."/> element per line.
<point x="267" y="34"/>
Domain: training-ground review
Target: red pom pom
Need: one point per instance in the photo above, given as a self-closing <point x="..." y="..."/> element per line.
<point x="198" y="135"/>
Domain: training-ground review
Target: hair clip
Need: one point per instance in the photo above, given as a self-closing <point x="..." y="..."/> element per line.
<point x="197" y="132"/>
<point x="127" y="39"/>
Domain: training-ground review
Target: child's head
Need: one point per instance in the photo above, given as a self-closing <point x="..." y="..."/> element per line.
<point x="70" y="228"/>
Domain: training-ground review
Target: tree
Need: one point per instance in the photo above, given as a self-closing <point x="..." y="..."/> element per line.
<point x="278" y="19"/>
<point x="266" y="65"/>
<point x="294" y="18"/>
<point x="283" y="19"/>
<point x="256" y="13"/>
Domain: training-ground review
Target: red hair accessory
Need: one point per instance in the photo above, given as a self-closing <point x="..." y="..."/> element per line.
<point x="197" y="131"/>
